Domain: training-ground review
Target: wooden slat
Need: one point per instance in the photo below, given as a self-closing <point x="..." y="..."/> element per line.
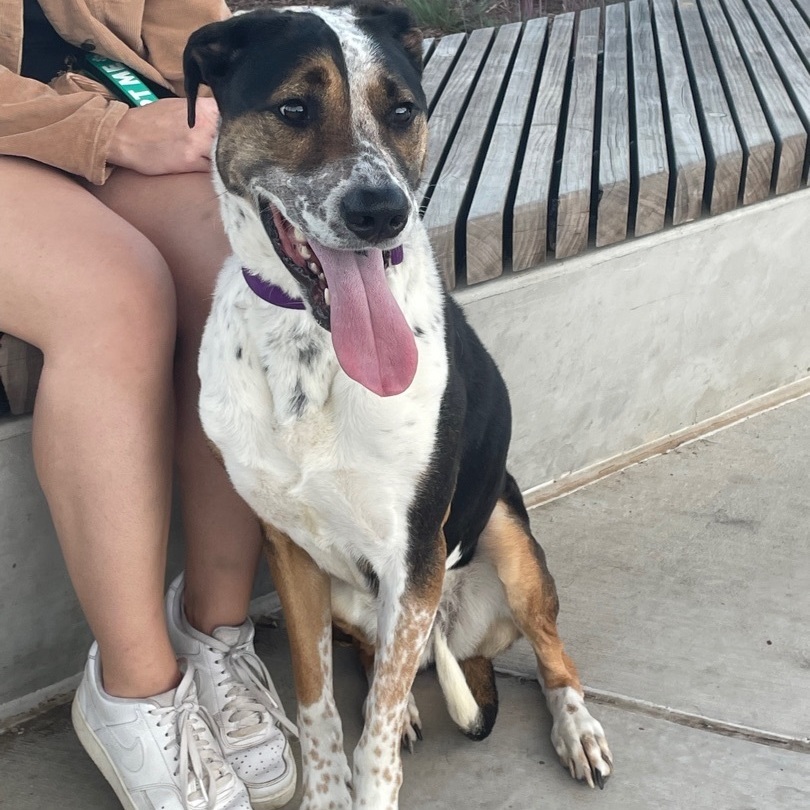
<point x="441" y="61"/>
<point x="574" y="202"/>
<point x="804" y="5"/>
<point x="20" y="367"/>
<point x="684" y="131"/>
<point x="445" y="115"/>
<point x="723" y="144"/>
<point x="788" y="62"/>
<point x="782" y="116"/>
<point x="531" y="203"/>
<point x="652" y="163"/>
<point x="427" y="47"/>
<point x="614" y="142"/>
<point x="444" y="209"/>
<point x="487" y="215"/>
<point x="795" y="25"/>
<point x="758" y="141"/>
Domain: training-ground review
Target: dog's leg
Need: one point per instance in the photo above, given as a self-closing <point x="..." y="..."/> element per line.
<point x="532" y="596"/>
<point x="304" y="590"/>
<point x="412" y="727"/>
<point x="408" y="604"/>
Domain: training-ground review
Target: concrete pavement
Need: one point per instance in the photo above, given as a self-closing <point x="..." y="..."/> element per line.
<point x="685" y="590"/>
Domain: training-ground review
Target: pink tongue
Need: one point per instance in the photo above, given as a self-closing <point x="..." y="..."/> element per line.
<point x="372" y="340"/>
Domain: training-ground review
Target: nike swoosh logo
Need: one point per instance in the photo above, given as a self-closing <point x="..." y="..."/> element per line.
<point x="130" y="753"/>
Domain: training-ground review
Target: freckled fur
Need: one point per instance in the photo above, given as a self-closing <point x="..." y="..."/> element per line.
<point x="364" y="498"/>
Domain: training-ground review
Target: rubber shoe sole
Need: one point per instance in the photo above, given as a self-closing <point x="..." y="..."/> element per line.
<point x="289" y="784"/>
<point x="96" y="752"/>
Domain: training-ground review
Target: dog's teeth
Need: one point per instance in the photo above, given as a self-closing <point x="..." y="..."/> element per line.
<point x="305" y="252"/>
<point x="299" y="235"/>
<point x="326" y="296"/>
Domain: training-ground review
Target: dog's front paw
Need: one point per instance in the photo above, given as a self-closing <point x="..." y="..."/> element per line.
<point x="412" y="728"/>
<point x="327" y="790"/>
<point x="579" y="739"/>
<point x="327" y="777"/>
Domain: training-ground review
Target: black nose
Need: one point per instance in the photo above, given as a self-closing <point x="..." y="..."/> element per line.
<point x="375" y="213"/>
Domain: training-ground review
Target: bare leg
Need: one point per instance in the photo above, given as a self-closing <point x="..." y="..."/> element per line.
<point x="180" y="215"/>
<point x="97" y="298"/>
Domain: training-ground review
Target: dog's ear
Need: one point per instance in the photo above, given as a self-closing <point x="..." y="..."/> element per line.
<point x="396" y="22"/>
<point x="214" y="49"/>
<point x="207" y="55"/>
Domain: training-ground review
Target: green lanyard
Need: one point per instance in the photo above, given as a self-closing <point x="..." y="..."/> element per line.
<point x="125" y="81"/>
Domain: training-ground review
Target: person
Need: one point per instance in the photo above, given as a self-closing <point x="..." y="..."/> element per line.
<point x="111" y="244"/>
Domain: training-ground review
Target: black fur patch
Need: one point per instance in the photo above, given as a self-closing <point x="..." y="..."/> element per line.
<point x="469" y="457"/>
<point x="299" y="400"/>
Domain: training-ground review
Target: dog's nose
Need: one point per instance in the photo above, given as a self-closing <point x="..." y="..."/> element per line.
<point x="375" y="213"/>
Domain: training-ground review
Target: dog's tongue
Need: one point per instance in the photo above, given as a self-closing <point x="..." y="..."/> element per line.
<point x="372" y="339"/>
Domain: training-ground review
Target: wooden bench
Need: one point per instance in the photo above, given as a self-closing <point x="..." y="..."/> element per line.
<point x="587" y="129"/>
<point x="554" y="136"/>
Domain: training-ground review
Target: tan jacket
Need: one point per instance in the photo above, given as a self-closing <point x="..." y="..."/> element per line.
<point x="69" y="123"/>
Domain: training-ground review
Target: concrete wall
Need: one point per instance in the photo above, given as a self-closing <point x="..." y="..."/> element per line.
<point x="602" y="353"/>
<point x="618" y="347"/>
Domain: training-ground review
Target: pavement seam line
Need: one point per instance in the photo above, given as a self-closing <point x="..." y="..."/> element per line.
<point x="568" y="483"/>
<point x="700" y="722"/>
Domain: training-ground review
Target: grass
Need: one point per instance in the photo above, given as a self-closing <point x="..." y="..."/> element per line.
<point x="437" y="17"/>
<point x="449" y="16"/>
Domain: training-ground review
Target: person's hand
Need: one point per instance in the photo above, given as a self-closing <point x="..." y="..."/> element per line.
<point x="156" y="138"/>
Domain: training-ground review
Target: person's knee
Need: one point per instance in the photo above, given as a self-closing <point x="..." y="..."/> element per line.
<point x="129" y="319"/>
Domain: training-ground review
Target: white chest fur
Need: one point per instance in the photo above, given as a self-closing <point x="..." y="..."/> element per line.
<point x="314" y="453"/>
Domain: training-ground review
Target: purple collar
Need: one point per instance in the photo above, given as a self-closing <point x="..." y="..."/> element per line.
<point x="270" y="292"/>
<point x="275" y="295"/>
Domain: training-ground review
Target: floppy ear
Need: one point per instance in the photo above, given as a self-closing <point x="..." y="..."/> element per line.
<point x="212" y="50"/>
<point x="208" y="54"/>
<point x="396" y="22"/>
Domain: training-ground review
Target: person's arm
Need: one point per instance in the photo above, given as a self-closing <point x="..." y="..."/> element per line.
<point x="85" y="133"/>
<point x="72" y="132"/>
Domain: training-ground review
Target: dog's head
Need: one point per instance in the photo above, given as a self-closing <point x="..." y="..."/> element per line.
<point x="323" y="134"/>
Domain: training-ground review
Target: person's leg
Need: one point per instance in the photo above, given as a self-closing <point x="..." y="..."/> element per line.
<point x="96" y="296"/>
<point x="180" y="215"/>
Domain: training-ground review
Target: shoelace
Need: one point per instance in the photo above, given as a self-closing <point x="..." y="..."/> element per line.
<point x="200" y="765"/>
<point x="249" y="695"/>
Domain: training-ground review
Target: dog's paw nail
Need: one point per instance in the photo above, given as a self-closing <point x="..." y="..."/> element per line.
<point x="598" y="778"/>
<point x="418" y="730"/>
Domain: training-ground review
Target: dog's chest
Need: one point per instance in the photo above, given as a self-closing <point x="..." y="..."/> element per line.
<point x="314" y="454"/>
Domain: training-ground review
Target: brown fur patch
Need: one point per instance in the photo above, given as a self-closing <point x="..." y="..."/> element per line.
<point x="261" y="138"/>
<point x="480" y="676"/>
<point x="305" y="595"/>
<point x="409" y="144"/>
<point x="531" y="594"/>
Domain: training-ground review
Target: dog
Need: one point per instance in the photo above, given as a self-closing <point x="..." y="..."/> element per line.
<point x="354" y="408"/>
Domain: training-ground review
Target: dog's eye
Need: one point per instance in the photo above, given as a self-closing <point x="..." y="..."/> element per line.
<point x="294" y="110"/>
<point x="401" y="114"/>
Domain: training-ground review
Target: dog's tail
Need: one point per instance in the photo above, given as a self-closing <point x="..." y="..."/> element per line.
<point x="469" y="688"/>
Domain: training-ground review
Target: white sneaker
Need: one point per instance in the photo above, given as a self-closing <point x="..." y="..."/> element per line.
<point x="157" y="753"/>
<point x="236" y="688"/>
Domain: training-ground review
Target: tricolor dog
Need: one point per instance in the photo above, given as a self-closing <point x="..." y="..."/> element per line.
<point x="354" y="408"/>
